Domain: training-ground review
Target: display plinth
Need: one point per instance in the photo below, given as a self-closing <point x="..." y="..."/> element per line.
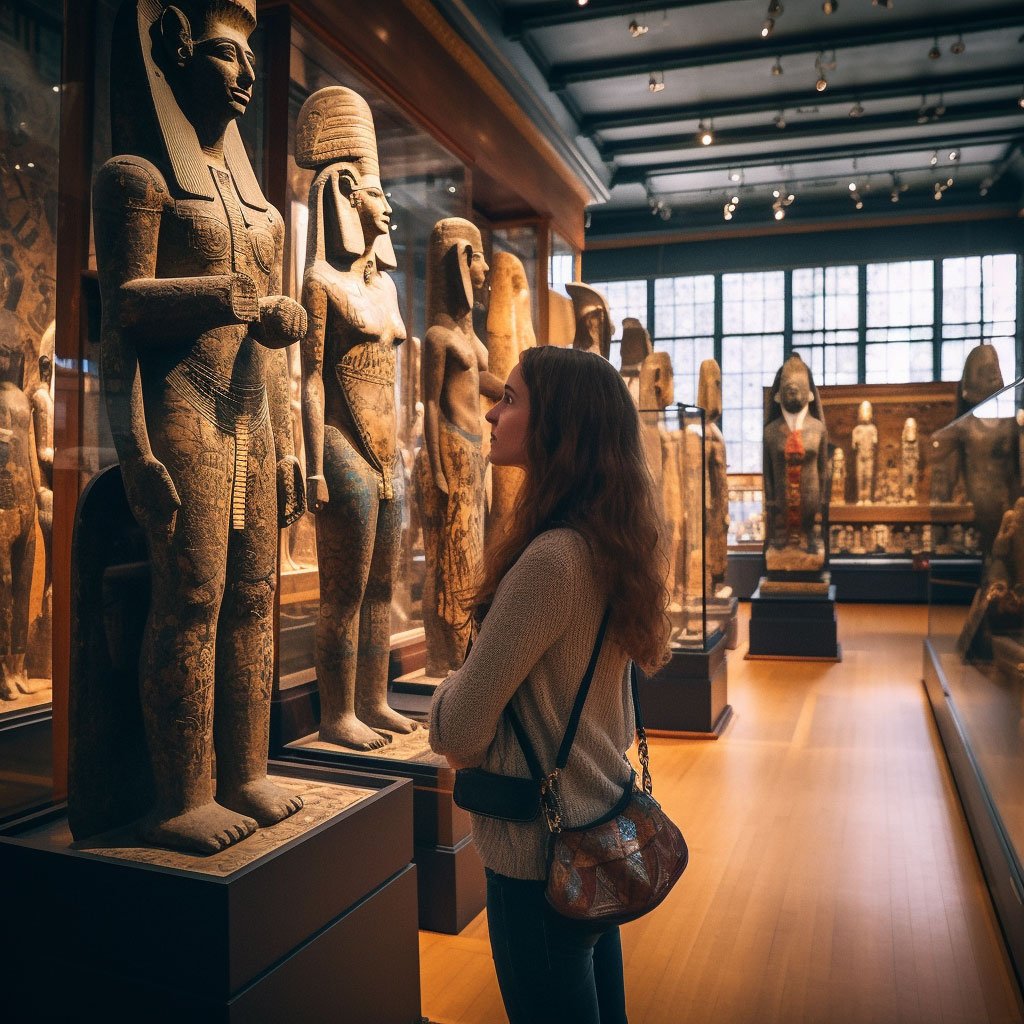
<point x="723" y="614"/>
<point x="689" y="695"/>
<point x="452" y="888"/>
<point x="794" y="626"/>
<point x="316" y="922"/>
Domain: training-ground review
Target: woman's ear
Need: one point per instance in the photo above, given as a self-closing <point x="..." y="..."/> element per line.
<point x="176" y="36"/>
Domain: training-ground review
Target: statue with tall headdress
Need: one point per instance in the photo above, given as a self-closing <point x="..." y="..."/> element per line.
<point x="593" y="321"/>
<point x="349" y="419"/>
<point x="450" y="465"/>
<point x="189" y="257"/>
<point x="716" y="499"/>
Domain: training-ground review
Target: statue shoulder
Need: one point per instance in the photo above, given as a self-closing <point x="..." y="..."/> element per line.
<point x="129" y="182"/>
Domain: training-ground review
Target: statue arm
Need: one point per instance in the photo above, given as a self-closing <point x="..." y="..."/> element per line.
<point x="823" y="471"/>
<point x="42" y="424"/>
<point x="945" y="456"/>
<point x="314" y="299"/>
<point x="280" y="321"/>
<point x="432" y="371"/>
<point x="491" y="387"/>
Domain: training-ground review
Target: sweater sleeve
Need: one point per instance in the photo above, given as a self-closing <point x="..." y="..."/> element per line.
<point x="531" y="610"/>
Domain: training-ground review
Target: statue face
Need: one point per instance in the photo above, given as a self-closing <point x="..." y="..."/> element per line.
<point x="477" y="269"/>
<point x="795" y="388"/>
<point x="910" y="430"/>
<point x="373" y="207"/>
<point x="594" y="320"/>
<point x="864" y="412"/>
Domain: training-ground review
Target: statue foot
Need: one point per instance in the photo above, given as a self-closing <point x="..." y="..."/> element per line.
<point x="8" y="691"/>
<point x="383" y="717"/>
<point x="207" y="829"/>
<point x="349" y="732"/>
<point x="27" y="685"/>
<point x="263" y="800"/>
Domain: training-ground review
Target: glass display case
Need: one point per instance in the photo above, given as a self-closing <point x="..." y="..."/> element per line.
<point x="974" y="651"/>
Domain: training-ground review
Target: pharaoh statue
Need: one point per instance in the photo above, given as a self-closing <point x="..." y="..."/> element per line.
<point x="195" y="383"/>
<point x="837" y="495"/>
<point x="716" y="522"/>
<point x="865" y="441"/>
<point x="983" y="452"/>
<point x="349" y="419"/>
<point x="509" y="334"/>
<point x="450" y="465"/>
<point x="910" y="461"/>
<point x="39" y="655"/>
<point x="795" y="467"/>
<point x="593" y="321"/>
<point x="19" y="494"/>
<point x="635" y="348"/>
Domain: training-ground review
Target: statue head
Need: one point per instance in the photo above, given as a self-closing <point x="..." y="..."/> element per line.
<point x="792" y="390"/>
<point x="657" y="389"/>
<point x="981" y="378"/>
<point x="593" y="321"/>
<point x="14" y="337"/>
<point x="636" y="342"/>
<point x="838" y="460"/>
<point x="709" y="390"/>
<point x="509" y="312"/>
<point x="910" y="429"/>
<point x="456" y="268"/>
<point x="46" y="348"/>
<point x="864" y="412"/>
<point x="350" y="212"/>
<point x="182" y="75"/>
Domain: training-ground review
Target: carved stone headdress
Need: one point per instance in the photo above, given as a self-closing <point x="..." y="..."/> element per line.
<point x="146" y="119"/>
<point x="709" y="390"/>
<point x="335" y="137"/>
<point x="449" y="286"/>
<point x="774" y="409"/>
<point x="657" y="386"/>
<point x="636" y="342"/>
<point x="585" y="300"/>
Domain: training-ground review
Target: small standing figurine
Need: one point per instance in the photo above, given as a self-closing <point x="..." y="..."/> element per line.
<point x="716" y="527"/>
<point x="838" y="492"/>
<point x="349" y="419"/>
<point x="593" y="321"/>
<point x="910" y="461"/>
<point x="450" y="465"/>
<point x="865" y="441"/>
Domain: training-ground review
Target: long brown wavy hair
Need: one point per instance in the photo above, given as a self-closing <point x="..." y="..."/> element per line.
<point x="586" y="470"/>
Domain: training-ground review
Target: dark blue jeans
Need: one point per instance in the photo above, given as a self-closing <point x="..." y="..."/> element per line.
<point x="551" y="970"/>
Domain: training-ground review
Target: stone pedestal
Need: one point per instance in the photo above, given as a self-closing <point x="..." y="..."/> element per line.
<point x="794" y="625"/>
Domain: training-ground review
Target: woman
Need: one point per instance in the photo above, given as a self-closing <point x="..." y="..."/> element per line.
<point x="585" y="536"/>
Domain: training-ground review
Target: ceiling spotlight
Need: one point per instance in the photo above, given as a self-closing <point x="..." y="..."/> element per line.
<point x="582" y="3"/>
<point x="853" y="186"/>
<point x="949" y="183"/>
<point x="830" y="6"/>
<point x="656" y="81"/>
<point x="767" y="27"/>
<point x="777" y="67"/>
<point x="954" y="155"/>
<point x="780" y="120"/>
<point x="735" y="176"/>
<point x="1020" y="102"/>
<point x="984" y="187"/>
<point x="935" y="53"/>
<point x="780" y="214"/>
<point x="820" y="65"/>
<point x="705" y="133"/>
<point x="894" y="196"/>
<point x="726" y="213"/>
<point x="940" y="107"/>
<point x="636" y="30"/>
<point x="924" y="114"/>
<point x="774" y="8"/>
<point x="821" y="84"/>
<point x="958" y="47"/>
<point x="776" y="194"/>
<point x="859" y="205"/>
<point x="856" y="110"/>
<point x="934" y="159"/>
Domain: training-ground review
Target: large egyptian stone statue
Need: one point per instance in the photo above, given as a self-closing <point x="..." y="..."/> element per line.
<point x="349" y="420"/>
<point x="983" y="452"/>
<point x="716" y="521"/>
<point x="509" y="334"/>
<point x="593" y="321"/>
<point x="795" y="468"/>
<point x="635" y="347"/>
<point x="910" y="461"/>
<point x="19" y="492"/>
<point x="865" y="441"/>
<point x="450" y="465"/>
<point x="189" y="257"/>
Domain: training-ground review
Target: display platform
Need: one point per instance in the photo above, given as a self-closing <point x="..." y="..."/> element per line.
<point x="451" y="876"/>
<point x="311" y="919"/>
<point x="797" y="626"/>
<point x="689" y="696"/>
<point x="723" y="615"/>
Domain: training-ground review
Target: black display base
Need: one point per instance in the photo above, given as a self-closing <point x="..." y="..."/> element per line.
<point x="794" y="626"/>
<point x="322" y="927"/>
<point x="689" y="696"/>
<point x="452" y="888"/>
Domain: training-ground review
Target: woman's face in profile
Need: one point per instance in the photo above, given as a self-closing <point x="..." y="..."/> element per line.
<point x="509" y="419"/>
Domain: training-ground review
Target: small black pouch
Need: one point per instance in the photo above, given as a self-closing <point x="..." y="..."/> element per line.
<point x="506" y="797"/>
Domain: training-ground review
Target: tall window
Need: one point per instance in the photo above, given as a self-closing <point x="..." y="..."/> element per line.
<point x="900" y="322"/>
<point x="826" y="326"/>
<point x="979" y="303"/>
<point x="684" y="326"/>
<point x="753" y="346"/>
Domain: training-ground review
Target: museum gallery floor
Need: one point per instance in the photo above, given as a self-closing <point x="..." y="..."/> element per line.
<point x="832" y="877"/>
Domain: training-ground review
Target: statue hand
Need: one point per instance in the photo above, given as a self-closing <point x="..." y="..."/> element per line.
<point x="317" y="495"/>
<point x="151" y="493"/>
<point x="282" y="322"/>
<point x="291" y="498"/>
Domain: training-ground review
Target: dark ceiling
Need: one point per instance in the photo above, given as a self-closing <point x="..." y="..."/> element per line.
<point x="919" y="93"/>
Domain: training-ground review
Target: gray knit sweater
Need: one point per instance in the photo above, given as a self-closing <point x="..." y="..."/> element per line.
<point x="532" y="649"/>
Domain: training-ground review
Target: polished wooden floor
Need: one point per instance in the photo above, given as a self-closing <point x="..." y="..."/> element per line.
<point x="832" y="878"/>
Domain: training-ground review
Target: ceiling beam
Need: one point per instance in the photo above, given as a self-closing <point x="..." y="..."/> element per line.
<point x="967" y="22"/>
<point x="520" y="20"/>
<point x="949" y="85"/>
<point x="975" y="112"/>
<point x="639" y="175"/>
